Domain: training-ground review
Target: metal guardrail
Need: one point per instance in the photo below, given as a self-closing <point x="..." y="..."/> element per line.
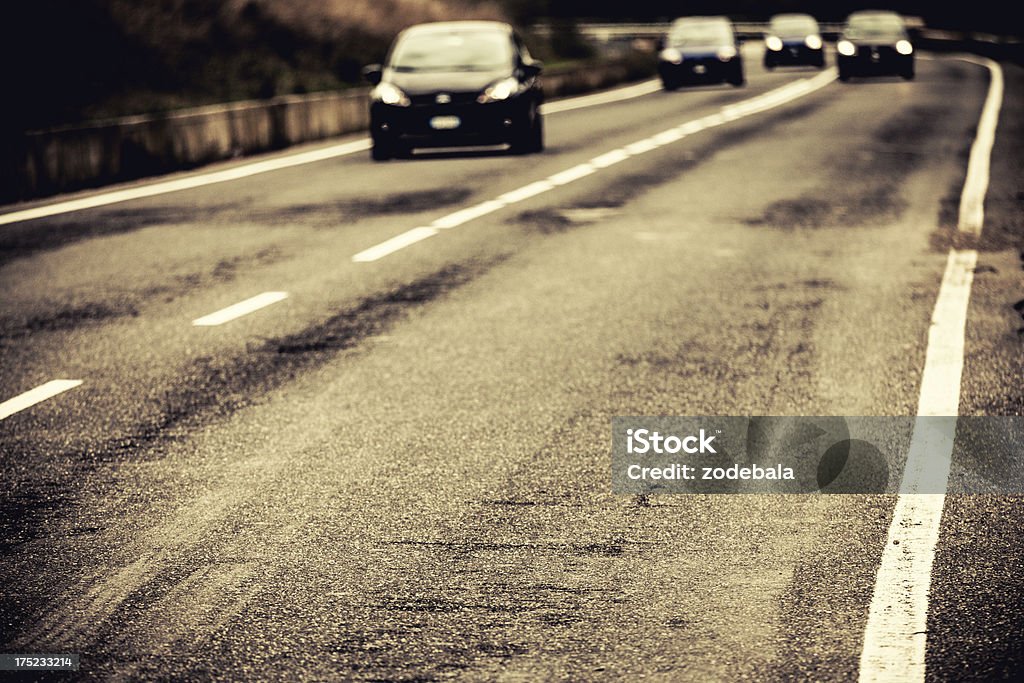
<point x="607" y="32"/>
<point x="69" y="158"/>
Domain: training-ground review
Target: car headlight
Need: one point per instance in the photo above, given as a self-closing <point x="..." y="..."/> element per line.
<point x="846" y="48"/>
<point x="389" y="94"/>
<point x="773" y="43"/>
<point x="813" y="42"/>
<point x="671" y="55"/>
<point x="502" y="90"/>
<point x="726" y="53"/>
<point x="904" y="47"/>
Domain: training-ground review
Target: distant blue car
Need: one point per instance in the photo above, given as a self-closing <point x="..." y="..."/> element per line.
<point x="793" y="39"/>
<point x="700" y="50"/>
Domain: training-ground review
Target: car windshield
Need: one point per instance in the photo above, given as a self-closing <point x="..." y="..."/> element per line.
<point x="786" y="27"/>
<point x="875" y="26"/>
<point x="702" y="34"/>
<point x="456" y="51"/>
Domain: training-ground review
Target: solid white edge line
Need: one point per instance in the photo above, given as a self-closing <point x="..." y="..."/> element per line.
<point x="972" y="199"/>
<point x="392" y="245"/>
<point x="187" y="183"/>
<point x="895" y="636"/>
<point x="240" y="309"/>
<point x="159" y="187"/>
<point x="618" y="95"/>
<point x="37" y="395"/>
<point x="779" y="96"/>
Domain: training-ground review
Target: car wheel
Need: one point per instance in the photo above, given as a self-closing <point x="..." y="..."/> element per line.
<point x="737" y="78"/>
<point x="669" y="85"/>
<point x="844" y="75"/>
<point x="769" y="65"/>
<point x="381" y="150"/>
<point x="529" y="137"/>
<point x="908" y="74"/>
<point x="537" y="135"/>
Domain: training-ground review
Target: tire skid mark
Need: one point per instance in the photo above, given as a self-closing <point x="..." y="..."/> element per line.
<point x="101" y="592"/>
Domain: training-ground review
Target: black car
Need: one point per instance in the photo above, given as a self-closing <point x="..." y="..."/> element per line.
<point x="874" y="43"/>
<point x="793" y="39"/>
<point x="700" y="50"/>
<point x="455" y="83"/>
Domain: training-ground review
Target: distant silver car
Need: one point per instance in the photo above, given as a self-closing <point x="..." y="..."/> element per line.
<point x="875" y="43"/>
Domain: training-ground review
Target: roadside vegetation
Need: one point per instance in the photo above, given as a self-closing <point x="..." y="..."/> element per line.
<point x="81" y="60"/>
<point x="73" y="61"/>
<point x="78" y="61"/>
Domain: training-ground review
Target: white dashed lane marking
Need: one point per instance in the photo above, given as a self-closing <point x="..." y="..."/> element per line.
<point x="37" y="395"/>
<point x="769" y="100"/>
<point x="241" y="308"/>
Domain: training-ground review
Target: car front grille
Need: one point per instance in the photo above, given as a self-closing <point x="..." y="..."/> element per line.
<point x="457" y="98"/>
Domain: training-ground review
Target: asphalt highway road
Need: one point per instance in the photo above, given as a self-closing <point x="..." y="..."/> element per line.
<point x="401" y="470"/>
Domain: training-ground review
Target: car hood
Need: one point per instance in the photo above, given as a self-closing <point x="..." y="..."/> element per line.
<point x="426" y="82"/>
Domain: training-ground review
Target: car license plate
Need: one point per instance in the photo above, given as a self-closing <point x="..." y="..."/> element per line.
<point x="445" y="122"/>
<point x="699" y="69"/>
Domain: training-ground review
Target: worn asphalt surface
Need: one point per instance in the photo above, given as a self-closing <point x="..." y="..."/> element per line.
<point x="401" y="472"/>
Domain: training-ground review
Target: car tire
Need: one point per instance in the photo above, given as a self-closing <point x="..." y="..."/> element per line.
<point x="381" y="150"/>
<point x="908" y="74"/>
<point x="737" y="80"/>
<point x="537" y="135"/>
<point x="669" y="85"/>
<point x="530" y="138"/>
<point x="844" y="75"/>
<point x="768" y="65"/>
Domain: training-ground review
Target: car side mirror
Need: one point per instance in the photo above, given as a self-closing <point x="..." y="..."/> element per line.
<point x="373" y="73"/>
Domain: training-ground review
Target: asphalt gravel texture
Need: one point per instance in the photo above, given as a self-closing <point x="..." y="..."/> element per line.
<point x="401" y="472"/>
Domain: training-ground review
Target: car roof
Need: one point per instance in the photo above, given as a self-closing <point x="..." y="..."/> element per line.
<point x="874" y="14"/>
<point x="701" y="20"/>
<point x="793" y="16"/>
<point x="459" y="26"/>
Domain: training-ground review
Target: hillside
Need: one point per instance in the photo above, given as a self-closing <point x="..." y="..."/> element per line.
<point x="85" y="59"/>
<point x="69" y="61"/>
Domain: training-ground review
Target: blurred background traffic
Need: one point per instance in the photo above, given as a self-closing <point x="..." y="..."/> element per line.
<point x="71" y="61"/>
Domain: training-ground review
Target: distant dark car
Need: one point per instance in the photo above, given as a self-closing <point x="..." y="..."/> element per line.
<point x="700" y="50"/>
<point x="874" y="43"/>
<point x="453" y="84"/>
<point x="793" y="39"/>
